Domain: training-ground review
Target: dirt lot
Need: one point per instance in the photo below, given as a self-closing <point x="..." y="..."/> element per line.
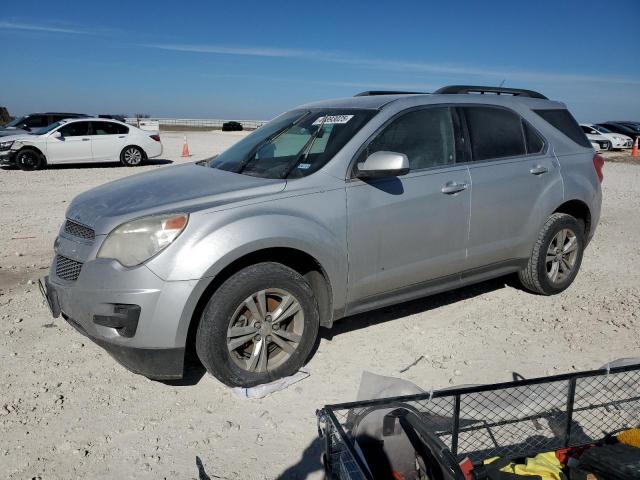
<point x="67" y="410"/>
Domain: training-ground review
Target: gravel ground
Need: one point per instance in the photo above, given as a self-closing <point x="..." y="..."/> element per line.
<point x="67" y="410"/>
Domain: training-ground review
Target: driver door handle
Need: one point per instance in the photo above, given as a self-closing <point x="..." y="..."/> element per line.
<point x="538" y="170"/>
<point x="86" y="139"/>
<point x="450" y="188"/>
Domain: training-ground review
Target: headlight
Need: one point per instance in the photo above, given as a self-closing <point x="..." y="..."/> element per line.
<point x="137" y="241"/>
<point x="6" y="145"/>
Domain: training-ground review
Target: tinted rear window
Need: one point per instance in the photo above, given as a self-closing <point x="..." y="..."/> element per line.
<point x="495" y="133"/>
<point x="564" y="121"/>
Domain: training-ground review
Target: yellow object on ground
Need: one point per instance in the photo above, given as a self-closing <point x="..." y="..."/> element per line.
<point x="630" y="437"/>
<point x="545" y="465"/>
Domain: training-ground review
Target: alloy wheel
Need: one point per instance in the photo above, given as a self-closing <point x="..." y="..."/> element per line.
<point x="265" y="330"/>
<point x="132" y="156"/>
<point x="562" y="255"/>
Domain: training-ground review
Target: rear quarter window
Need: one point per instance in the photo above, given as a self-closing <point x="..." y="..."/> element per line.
<point x="562" y="120"/>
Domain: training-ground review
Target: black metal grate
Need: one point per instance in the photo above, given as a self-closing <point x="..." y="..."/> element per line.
<point x="511" y="420"/>
<point x="78" y="230"/>
<point x="67" y="269"/>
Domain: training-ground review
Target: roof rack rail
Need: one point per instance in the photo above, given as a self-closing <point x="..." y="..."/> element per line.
<point x="516" y="92"/>
<point x="370" y="93"/>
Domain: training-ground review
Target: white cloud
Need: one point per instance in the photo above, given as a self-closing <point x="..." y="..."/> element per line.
<point x="39" y="28"/>
<point x="497" y="73"/>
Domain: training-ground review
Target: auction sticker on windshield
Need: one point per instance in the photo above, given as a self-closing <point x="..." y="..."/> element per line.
<point x="332" y="119"/>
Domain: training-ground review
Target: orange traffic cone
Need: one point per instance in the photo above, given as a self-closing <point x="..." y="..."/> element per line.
<point x="185" y="149"/>
<point x="634" y="152"/>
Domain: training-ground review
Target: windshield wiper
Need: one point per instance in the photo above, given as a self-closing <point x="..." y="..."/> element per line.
<point x="304" y="151"/>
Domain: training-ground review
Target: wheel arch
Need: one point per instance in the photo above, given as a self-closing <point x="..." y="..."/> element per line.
<point x="300" y="261"/>
<point x="577" y="209"/>
<point x="144" y="152"/>
<point x="34" y="149"/>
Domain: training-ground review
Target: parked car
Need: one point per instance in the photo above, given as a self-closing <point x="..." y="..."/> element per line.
<point x="232" y="127"/>
<point x="623" y="129"/>
<point x="35" y="121"/>
<point x="597" y="138"/>
<point x="617" y="140"/>
<point x="332" y="209"/>
<point x="80" y="140"/>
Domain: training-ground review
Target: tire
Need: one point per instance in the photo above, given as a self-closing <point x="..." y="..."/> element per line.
<point x="238" y="322"/>
<point x="550" y="271"/>
<point x="132" y="156"/>
<point x="30" y="160"/>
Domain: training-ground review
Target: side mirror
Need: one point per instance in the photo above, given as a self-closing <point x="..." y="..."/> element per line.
<point x="383" y="164"/>
<point x="24" y="126"/>
<point x="56" y="134"/>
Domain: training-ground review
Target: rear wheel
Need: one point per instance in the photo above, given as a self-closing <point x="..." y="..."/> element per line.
<point x="259" y="325"/>
<point x="29" y="160"/>
<point x="132" y="156"/>
<point x="556" y="256"/>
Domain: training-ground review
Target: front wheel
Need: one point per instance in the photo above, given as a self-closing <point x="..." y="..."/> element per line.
<point x="259" y="325"/>
<point x="556" y="256"/>
<point x="132" y="156"/>
<point x="29" y="160"/>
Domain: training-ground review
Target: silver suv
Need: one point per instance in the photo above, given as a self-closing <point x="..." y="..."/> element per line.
<point x="331" y="209"/>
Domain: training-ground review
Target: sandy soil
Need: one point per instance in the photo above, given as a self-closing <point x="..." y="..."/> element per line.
<point x="67" y="410"/>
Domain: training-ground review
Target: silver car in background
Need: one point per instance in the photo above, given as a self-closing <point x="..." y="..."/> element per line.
<point x="331" y="209"/>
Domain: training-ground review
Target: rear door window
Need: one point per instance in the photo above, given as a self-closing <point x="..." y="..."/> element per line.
<point x="562" y="120"/>
<point x="104" y="128"/>
<point x="495" y="133"/>
<point x="425" y="136"/>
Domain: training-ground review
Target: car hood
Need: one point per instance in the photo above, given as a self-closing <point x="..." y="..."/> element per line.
<point x="17" y="136"/>
<point x="184" y="188"/>
<point x="10" y="131"/>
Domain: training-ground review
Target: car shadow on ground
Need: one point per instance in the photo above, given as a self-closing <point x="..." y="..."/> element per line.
<point x="432" y="302"/>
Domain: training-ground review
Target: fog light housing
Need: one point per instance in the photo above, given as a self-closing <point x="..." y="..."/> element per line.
<point x="124" y="319"/>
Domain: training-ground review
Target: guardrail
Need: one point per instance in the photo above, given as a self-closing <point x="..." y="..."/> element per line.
<point x="203" y="123"/>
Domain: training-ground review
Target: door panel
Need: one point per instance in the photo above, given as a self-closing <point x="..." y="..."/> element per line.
<point x="510" y="202"/>
<point x="73" y="146"/>
<point x="106" y="141"/>
<point x="408" y="230"/>
<point x="403" y="231"/>
<point x="514" y="183"/>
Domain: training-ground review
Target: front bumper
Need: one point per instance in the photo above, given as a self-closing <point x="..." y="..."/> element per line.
<point x="150" y="342"/>
<point x="7" y="157"/>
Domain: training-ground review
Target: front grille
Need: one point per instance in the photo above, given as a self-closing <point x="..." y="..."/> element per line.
<point x="78" y="230"/>
<point x="67" y="269"/>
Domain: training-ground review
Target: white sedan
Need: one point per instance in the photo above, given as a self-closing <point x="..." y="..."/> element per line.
<point x="80" y="140"/>
<point x="617" y="140"/>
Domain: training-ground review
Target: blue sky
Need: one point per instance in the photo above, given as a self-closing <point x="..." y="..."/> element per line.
<point x="252" y="60"/>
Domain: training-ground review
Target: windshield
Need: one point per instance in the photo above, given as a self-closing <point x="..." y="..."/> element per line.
<point x="15" y="122"/>
<point x="293" y="145"/>
<point x="602" y="129"/>
<point x="48" y="128"/>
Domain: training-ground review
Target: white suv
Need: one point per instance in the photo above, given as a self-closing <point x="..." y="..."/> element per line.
<point x="79" y="141"/>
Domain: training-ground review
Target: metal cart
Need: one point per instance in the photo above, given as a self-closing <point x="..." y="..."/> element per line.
<point x="510" y="420"/>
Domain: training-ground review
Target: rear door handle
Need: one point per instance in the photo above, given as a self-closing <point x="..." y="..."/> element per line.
<point x="538" y="170"/>
<point x="121" y="136"/>
<point x="450" y="188"/>
<point x="86" y="139"/>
